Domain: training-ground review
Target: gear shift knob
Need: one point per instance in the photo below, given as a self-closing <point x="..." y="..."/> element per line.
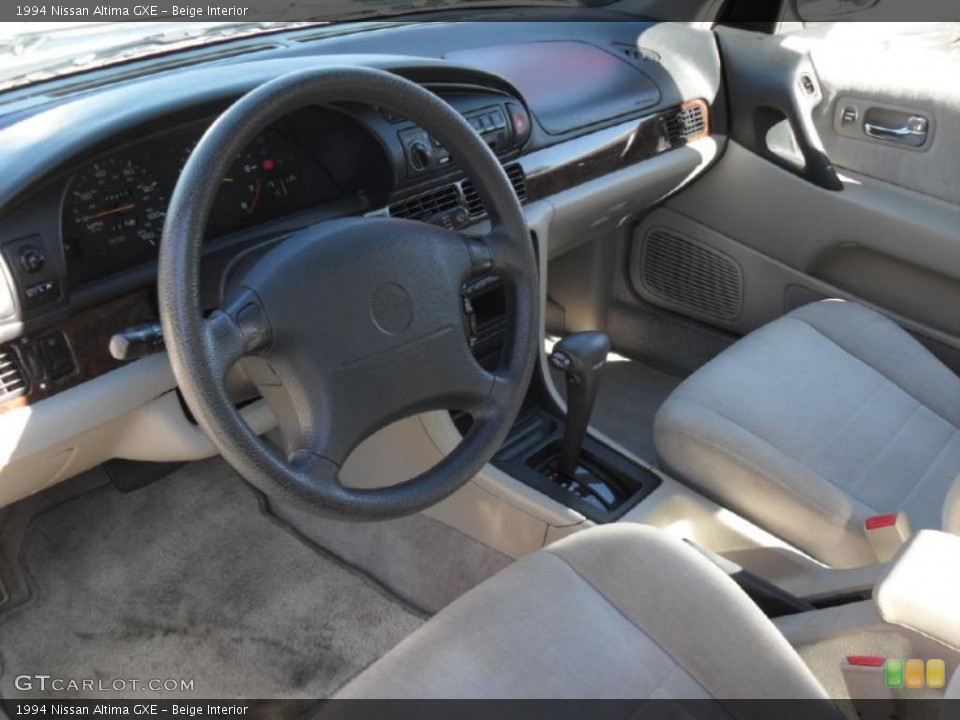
<point x="580" y="356"/>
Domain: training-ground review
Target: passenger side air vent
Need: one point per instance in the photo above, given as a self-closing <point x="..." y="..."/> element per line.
<point x="686" y="123"/>
<point x="687" y="275"/>
<point x="472" y="198"/>
<point x="13" y="384"/>
<point x="424" y="207"/>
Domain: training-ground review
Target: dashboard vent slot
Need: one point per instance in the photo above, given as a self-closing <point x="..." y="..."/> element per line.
<point x="424" y="207"/>
<point x="686" y="275"/>
<point x="472" y="198"/>
<point x="684" y="124"/>
<point x="13" y="384"/>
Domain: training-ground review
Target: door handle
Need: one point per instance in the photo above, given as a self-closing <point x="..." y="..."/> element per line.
<point x="913" y="132"/>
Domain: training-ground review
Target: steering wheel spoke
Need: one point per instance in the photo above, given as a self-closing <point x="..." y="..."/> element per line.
<point x="237" y="329"/>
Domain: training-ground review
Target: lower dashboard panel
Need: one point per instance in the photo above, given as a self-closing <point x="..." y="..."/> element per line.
<point x="69" y="353"/>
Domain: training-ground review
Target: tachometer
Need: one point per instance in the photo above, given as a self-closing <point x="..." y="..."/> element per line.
<point x="273" y="176"/>
<point x="115" y="208"/>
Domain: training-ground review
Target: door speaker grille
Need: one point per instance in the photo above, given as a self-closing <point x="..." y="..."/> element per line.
<point x="683" y="273"/>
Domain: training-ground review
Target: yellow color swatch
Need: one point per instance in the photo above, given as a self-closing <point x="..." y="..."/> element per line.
<point x="914" y="673"/>
<point x="936" y="673"/>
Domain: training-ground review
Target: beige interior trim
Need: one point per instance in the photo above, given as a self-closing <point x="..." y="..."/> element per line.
<point x="922" y="589"/>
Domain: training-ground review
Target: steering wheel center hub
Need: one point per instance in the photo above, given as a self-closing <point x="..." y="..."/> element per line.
<point x="391" y="308"/>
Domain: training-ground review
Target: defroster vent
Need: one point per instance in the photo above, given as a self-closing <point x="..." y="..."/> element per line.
<point x="687" y="275"/>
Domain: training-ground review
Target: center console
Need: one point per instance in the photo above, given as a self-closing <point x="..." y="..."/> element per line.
<point x="550" y="450"/>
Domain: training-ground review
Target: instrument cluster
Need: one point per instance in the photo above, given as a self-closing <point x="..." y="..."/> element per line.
<point x="114" y="208"/>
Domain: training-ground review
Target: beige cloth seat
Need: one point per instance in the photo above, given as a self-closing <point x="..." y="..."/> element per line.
<point x="816" y="421"/>
<point x="619" y="612"/>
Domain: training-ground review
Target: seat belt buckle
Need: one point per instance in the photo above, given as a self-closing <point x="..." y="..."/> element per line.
<point x="887" y="534"/>
<point x="866" y="679"/>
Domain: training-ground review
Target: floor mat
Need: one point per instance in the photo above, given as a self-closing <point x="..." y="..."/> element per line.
<point x="628" y="399"/>
<point x="189" y="579"/>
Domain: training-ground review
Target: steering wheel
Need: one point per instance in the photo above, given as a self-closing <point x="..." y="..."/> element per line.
<point x="360" y="321"/>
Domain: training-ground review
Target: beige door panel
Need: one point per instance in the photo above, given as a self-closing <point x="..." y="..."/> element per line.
<point x="896" y="249"/>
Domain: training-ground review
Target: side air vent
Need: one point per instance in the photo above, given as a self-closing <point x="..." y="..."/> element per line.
<point x="686" y="275"/>
<point x="13" y="384"/>
<point x="424" y="207"/>
<point x="685" y="123"/>
<point x="472" y="198"/>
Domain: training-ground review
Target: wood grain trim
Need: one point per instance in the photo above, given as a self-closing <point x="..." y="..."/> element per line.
<point x="647" y="139"/>
<point x="88" y="336"/>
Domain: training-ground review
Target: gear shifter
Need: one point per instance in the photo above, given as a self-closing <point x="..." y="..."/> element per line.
<point x="580" y="356"/>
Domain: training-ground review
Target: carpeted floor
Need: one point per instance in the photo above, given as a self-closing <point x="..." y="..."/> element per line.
<point x="189" y="579"/>
<point x="424" y="561"/>
<point x="628" y="399"/>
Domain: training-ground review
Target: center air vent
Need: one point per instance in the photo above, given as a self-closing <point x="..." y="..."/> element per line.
<point x="424" y="207"/>
<point x="686" y="275"/>
<point x="430" y="204"/>
<point x="12" y="381"/>
<point x="472" y="198"/>
<point x="686" y="123"/>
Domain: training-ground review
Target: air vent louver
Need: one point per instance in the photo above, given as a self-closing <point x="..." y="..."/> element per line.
<point x="472" y="198"/>
<point x="688" y="275"/>
<point x="424" y="207"/>
<point x="684" y="124"/>
<point x="12" y="381"/>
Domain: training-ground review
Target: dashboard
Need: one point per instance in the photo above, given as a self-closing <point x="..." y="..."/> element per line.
<point x="91" y="165"/>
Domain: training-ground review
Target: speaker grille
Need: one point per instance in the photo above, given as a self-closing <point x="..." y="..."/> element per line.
<point x="685" y="273"/>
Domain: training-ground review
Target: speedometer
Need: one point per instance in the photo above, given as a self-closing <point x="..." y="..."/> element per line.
<point x="115" y="209"/>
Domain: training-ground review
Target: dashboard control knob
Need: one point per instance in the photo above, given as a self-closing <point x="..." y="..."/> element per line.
<point x="419" y="156"/>
<point x="31" y="260"/>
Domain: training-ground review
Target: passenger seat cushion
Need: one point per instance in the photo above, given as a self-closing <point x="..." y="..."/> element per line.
<point x="816" y="421"/>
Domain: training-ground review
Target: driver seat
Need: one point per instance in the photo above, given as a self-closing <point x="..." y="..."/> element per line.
<point x="620" y="611"/>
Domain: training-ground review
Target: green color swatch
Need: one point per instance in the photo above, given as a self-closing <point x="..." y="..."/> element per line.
<point x="894" y="673"/>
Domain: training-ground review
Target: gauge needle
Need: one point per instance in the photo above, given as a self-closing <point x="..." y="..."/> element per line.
<point x="111" y="211"/>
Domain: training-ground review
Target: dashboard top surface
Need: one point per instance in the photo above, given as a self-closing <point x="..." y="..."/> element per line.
<point x="79" y="153"/>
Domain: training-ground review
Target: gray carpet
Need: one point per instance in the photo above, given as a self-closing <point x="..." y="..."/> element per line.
<point x="628" y="399"/>
<point x="424" y="561"/>
<point x="189" y="579"/>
